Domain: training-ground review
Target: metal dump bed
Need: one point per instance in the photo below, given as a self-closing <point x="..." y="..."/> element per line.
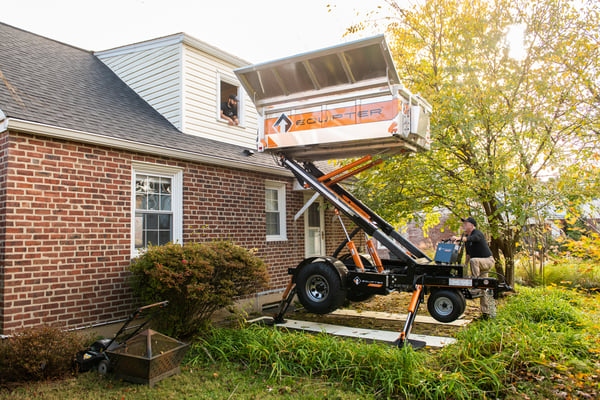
<point x="339" y="102"/>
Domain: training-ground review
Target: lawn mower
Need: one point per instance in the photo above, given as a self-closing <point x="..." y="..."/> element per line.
<point x="95" y="357"/>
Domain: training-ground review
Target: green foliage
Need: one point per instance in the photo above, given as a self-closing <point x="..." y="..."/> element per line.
<point x="502" y="121"/>
<point x="362" y="366"/>
<point x="38" y="354"/>
<point x="566" y="272"/>
<point x="540" y="335"/>
<point x="197" y="279"/>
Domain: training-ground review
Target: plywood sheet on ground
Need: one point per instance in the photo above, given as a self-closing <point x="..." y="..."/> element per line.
<point x="358" y="333"/>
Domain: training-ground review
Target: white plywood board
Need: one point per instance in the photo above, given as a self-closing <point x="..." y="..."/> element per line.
<point x="358" y="333"/>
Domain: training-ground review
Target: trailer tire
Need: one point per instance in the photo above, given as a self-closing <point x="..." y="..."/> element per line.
<point x="446" y="305"/>
<point x="320" y="288"/>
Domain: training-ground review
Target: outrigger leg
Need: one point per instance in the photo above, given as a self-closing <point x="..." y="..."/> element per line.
<point x="415" y="301"/>
<point x="286" y="300"/>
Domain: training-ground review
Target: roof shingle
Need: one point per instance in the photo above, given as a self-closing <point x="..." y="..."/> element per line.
<point x="52" y="83"/>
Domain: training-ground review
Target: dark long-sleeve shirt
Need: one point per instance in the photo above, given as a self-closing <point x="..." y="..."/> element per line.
<point x="476" y="245"/>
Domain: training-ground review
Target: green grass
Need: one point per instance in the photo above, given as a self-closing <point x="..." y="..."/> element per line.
<point x="567" y="272"/>
<point x="542" y="338"/>
<point x="545" y="343"/>
<point x="209" y="381"/>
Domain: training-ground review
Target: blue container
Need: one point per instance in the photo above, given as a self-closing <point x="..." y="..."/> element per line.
<point x="446" y="253"/>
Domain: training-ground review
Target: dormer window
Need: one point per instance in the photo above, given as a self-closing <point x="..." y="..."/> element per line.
<point x="229" y="101"/>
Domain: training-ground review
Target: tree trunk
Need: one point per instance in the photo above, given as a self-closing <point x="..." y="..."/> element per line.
<point x="505" y="242"/>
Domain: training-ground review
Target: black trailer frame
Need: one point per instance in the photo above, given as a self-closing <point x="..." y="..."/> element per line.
<point x="411" y="271"/>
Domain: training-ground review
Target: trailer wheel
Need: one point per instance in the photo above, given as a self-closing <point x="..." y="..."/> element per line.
<point x="320" y="288"/>
<point x="103" y="367"/>
<point x="446" y="305"/>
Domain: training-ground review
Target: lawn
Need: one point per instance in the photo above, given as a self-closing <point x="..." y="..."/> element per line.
<point x="545" y="343"/>
<point x="222" y="380"/>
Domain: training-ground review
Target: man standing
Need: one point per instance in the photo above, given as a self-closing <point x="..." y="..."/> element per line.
<point x="229" y="110"/>
<point x="479" y="256"/>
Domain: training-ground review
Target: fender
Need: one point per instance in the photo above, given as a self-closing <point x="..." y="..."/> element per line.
<point x="333" y="262"/>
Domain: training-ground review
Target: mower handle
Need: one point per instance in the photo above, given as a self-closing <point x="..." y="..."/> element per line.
<point x="161" y="304"/>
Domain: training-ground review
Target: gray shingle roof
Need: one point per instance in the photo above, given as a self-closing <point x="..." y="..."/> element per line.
<point x="45" y="81"/>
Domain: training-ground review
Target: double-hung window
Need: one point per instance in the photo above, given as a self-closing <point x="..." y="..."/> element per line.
<point x="157" y="206"/>
<point x="275" y="211"/>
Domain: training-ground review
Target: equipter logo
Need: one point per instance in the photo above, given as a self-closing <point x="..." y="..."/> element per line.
<point x="358" y="114"/>
<point x="283" y="123"/>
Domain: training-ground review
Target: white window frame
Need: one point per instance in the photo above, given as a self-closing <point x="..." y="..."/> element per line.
<point x="223" y="77"/>
<point x="176" y="176"/>
<point x="280" y="188"/>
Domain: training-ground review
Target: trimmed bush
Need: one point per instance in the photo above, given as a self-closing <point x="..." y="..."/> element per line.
<point x="197" y="279"/>
<point x="38" y="354"/>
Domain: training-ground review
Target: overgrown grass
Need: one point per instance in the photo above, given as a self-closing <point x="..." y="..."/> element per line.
<point x="377" y="368"/>
<point x="541" y="338"/>
<point x="545" y="343"/>
<point x="567" y="272"/>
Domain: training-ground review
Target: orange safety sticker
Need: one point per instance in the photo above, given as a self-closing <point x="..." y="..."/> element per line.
<point x="352" y="115"/>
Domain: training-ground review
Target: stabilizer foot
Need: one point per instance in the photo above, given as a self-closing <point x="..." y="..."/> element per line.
<point x="415" y="344"/>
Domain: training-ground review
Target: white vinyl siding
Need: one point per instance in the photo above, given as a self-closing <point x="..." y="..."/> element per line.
<point x="202" y="74"/>
<point x="181" y="81"/>
<point x="154" y="74"/>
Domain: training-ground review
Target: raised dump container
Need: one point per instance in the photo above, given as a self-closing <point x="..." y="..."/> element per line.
<point x="339" y="102"/>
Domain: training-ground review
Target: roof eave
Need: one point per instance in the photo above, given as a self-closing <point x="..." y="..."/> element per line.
<point x="170" y="40"/>
<point x="19" y="125"/>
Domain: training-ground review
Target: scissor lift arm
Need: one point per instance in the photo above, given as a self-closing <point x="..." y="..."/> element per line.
<point x="341" y="102"/>
<point x="412" y="270"/>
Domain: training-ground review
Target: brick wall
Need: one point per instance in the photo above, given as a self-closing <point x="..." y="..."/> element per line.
<point x="230" y="204"/>
<point x="428" y="241"/>
<point x="66" y="233"/>
<point x="67" y="220"/>
<point x="66" y="223"/>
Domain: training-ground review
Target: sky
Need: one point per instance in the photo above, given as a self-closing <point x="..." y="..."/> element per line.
<point x="254" y="30"/>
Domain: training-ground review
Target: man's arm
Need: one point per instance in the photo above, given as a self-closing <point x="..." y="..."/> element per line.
<point x="229" y="120"/>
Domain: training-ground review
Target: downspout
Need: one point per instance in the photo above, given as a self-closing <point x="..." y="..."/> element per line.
<point x="3" y="128"/>
<point x="3" y="122"/>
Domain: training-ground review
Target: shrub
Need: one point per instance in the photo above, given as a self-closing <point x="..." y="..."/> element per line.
<point x="38" y="353"/>
<point x="197" y="279"/>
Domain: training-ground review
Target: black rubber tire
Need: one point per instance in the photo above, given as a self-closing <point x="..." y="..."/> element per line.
<point x="319" y="288"/>
<point x="446" y="305"/>
<point x="103" y="367"/>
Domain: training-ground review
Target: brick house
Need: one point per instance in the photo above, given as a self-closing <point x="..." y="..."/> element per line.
<point x="101" y="154"/>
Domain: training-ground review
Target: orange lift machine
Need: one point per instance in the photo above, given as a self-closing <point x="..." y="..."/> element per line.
<point x="345" y="102"/>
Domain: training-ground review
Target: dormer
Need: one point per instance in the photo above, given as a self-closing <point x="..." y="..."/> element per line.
<point x="186" y="80"/>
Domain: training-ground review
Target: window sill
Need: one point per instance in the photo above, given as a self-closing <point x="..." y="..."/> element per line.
<point x="231" y="126"/>
<point x="277" y="238"/>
